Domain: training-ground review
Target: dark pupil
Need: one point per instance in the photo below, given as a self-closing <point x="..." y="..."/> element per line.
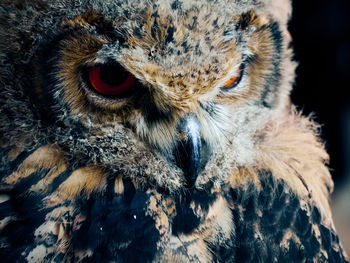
<point x="113" y="75"/>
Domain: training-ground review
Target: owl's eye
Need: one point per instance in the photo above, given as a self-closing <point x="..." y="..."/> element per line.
<point x="111" y="80"/>
<point x="234" y="81"/>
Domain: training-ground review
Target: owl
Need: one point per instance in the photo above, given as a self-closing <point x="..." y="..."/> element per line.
<point x="157" y="131"/>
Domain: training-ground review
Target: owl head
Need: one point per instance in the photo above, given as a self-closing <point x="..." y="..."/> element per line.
<point x="169" y="93"/>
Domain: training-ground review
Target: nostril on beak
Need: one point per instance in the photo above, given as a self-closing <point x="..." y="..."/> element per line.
<point x="188" y="153"/>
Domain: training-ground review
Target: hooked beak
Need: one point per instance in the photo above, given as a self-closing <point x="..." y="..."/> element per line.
<point x="188" y="153"/>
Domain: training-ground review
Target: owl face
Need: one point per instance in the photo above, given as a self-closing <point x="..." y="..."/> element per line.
<point x="169" y="92"/>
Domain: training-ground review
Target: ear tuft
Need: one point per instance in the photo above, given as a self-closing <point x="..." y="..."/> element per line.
<point x="281" y="10"/>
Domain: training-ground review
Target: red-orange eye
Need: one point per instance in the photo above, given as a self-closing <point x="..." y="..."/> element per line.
<point x="111" y="80"/>
<point x="234" y="81"/>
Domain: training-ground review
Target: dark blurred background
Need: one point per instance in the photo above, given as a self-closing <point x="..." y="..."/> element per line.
<point x="321" y="33"/>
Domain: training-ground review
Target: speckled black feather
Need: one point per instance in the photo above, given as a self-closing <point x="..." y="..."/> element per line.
<point x="113" y="221"/>
<point x="274" y="210"/>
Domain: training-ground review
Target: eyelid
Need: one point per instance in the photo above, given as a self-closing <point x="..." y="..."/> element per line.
<point x="234" y="81"/>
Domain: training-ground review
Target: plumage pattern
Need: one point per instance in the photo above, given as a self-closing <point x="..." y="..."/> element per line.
<point x="182" y="167"/>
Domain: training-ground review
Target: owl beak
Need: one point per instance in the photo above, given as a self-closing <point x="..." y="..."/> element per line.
<point x="188" y="153"/>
